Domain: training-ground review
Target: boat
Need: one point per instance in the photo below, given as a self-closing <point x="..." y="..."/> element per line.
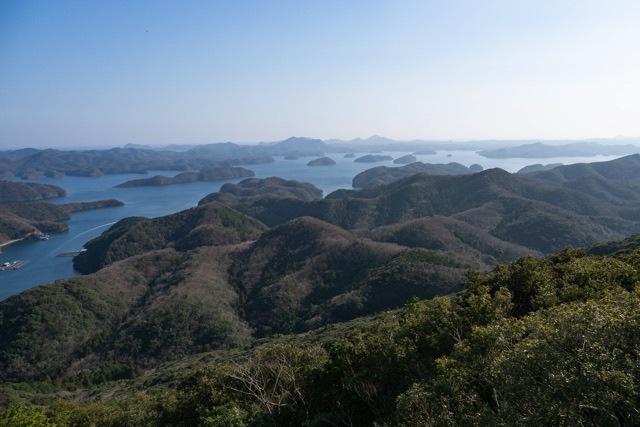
<point x="43" y="236"/>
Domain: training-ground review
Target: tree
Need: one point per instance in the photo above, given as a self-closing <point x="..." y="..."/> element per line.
<point x="279" y="379"/>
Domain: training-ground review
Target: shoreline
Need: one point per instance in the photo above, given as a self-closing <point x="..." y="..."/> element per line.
<point x="9" y="242"/>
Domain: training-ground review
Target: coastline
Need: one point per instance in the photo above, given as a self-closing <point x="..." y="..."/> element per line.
<point x="9" y="242"/>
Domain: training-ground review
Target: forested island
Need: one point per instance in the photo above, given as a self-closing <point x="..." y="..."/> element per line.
<point x="23" y="214"/>
<point x="372" y="158"/>
<point x="29" y="220"/>
<point x="404" y="160"/>
<point x="386" y="175"/>
<point x="208" y="174"/>
<point x="322" y="161"/>
<point x="15" y="192"/>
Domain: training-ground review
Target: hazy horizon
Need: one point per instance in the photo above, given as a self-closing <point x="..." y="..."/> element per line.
<point x="100" y="74"/>
<point x="474" y="143"/>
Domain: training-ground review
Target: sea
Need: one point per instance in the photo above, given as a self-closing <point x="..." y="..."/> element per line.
<point x="44" y="265"/>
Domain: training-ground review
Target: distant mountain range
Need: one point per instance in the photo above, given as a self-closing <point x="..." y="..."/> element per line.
<point x="577" y="149"/>
<point x="32" y="164"/>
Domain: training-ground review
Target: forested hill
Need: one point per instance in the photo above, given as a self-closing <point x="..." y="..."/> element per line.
<point x="210" y="174"/>
<point x="539" y="342"/>
<point x="523" y="210"/>
<point x="385" y="175"/>
<point x="23" y="220"/>
<point x="15" y="192"/>
<point x="202" y="279"/>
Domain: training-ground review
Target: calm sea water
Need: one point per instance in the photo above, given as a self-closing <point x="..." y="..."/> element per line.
<point x="44" y="267"/>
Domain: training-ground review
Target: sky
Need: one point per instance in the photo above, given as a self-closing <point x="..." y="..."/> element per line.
<point x="98" y="73"/>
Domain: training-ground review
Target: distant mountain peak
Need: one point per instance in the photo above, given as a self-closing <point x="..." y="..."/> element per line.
<point x="378" y="138"/>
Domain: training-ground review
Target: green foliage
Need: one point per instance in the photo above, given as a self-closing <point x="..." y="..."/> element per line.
<point x="37" y="211"/>
<point x="83" y="206"/>
<point x="568" y="276"/>
<point x="26" y="416"/>
<point x="273" y="385"/>
<point x="211" y="224"/>
<point x="306" y="273"/>
<point x="19" y="220"/>
<point x="15" y="192"/>
<point x="573" y="362"/>
<point x="13" y="227"/>
<point x="517" y="211"/>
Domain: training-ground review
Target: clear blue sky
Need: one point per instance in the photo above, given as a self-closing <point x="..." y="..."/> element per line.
<point x="159" y="72"/>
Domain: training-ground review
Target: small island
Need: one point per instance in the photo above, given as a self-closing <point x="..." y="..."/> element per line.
<point x="98" y="204"/>
<point x="538" y="167"/>
<point x="322" y="161"/>
<point x="405" y="160"/>
<point x="349" y="155"/>
<point x="475" y="168"/>
<point x="372" y="158"/>
<point x="255" y="160"/>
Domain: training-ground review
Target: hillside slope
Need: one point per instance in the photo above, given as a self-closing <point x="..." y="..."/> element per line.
<point x="15" y="192"/>
<point x="195" y="281"/>
<point x="211" y="224"/>
<point x="539" y="342"/>
<point x="526" y="211"/>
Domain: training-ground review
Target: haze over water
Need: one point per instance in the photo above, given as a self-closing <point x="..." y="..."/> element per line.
<point x="44" y="267"/>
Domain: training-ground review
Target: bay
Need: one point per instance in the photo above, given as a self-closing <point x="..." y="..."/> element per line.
<point x="43" y="266"/>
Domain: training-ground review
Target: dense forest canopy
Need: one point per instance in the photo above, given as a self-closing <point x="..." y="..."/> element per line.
<point x="539" y="342"/>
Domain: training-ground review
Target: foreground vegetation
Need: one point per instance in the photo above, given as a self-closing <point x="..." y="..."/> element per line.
<point x="550" y="341"/>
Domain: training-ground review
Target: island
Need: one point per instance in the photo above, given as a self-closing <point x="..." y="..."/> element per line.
<point x="322" y="161"/>
<point x="98" y="204"/>
<point x="577" y="149"/>
<point x="405" y="160"/>
<point x="14" y="192"/>
<point x="31" y="220"/>
<point x="209" y="174"/>
<point x="254" y="160"/>
<point x="372" y="158"/>
<point x="539" y="167"/>
<point x="386" y="175"/>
